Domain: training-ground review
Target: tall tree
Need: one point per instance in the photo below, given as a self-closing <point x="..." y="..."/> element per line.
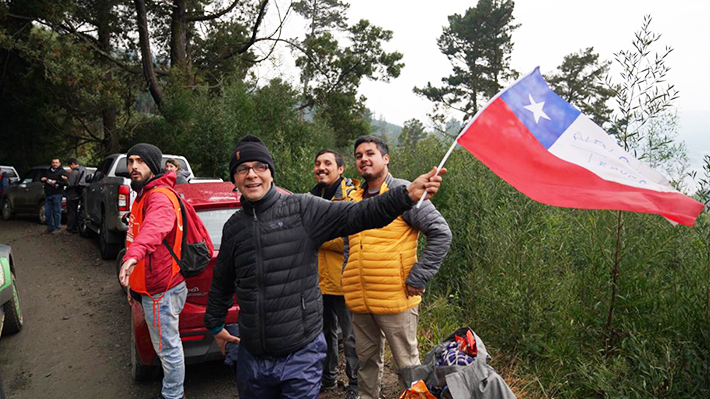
<point x="643" y="96"/>
<point x="229" y="37"/>
<point x="336" y="71"/>
<point x="323" y="16"/>
<point x="581" y="80"/>
<point x="411" y="134"/>
<point x="82" y="92"/>
<point x="478" y="44"/>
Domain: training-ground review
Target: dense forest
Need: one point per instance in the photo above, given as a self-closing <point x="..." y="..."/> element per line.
<point x="572" y="303"/>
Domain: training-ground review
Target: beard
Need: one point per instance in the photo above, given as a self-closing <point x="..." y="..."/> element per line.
<point x="137" y="185"/>
<point x="373" y="176"/>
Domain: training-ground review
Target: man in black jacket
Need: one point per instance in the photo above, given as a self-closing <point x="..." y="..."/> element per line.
<point x="54" y="184"/>
<point x="75" y="184"/>
<point x="268" y="257"/>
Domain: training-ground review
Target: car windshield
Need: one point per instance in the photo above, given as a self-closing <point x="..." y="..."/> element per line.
<point x="122" y="168"/>
<point x="9" y="171"/>
<point x="214" y="220"/>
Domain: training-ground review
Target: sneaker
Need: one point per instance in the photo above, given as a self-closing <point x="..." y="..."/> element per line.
<point x="328" y="386"/>
<point x="352" y="394"/>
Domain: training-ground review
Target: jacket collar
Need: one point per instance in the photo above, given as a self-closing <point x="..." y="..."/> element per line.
<point x="264" y="203"/>
<point x="385" y="186"/>
<point x="162" y="179"/>
<point x="334" y="191"/>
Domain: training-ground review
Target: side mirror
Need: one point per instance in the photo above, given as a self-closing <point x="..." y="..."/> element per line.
<point x="89" y="177"/>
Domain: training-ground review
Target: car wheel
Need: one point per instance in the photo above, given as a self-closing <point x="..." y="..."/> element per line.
<point x="140" y="371"/>
<point x="107" y="250"/>
<point x="13" y="312"/>
<point x="42" y="216"/>
<point x="7" y="213"/>
<point x="84" y="229"/>
<point x="119" y="262"/>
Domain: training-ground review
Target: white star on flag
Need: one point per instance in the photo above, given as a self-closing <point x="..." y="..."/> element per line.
<point x="536" y="109"/>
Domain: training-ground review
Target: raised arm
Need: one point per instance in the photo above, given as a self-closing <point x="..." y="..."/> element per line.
<point x="325" y="220"/>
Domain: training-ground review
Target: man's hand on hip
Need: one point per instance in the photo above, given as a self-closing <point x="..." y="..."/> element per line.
<point x="222" y="338"/>
<point x="126" y="270"/>
<point x="414" y="291"/>
<point x="430" y="182"/>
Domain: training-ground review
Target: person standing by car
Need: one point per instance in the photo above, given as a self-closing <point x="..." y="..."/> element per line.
<point x="268" y="257"/>
<point x="383" y="280"/>
<point x="4" y="182"/>
<point x="332" y="256"/>
<point x="172" y="165"/>
<point x="148" y="268"/>
<point x="75" y="185"/>
<point x="54" y="184"/>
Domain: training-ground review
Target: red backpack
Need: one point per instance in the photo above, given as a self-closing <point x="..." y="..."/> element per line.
<point x="196" y="249"/>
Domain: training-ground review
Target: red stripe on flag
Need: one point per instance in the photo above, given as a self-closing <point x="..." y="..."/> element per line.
<point x="499" y="140"/>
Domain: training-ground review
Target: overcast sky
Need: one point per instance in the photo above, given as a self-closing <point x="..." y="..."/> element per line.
<point x="550" y="29"/>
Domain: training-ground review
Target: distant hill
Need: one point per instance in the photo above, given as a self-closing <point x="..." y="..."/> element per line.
<point x="386" y="130"/>
<point x="390" y="131"/>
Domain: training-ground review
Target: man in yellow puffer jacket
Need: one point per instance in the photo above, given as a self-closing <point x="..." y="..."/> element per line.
<point x="331" y="185"/>
<point x="383" y="280"/>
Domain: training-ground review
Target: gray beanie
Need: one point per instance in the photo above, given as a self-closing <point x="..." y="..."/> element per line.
<point x="151" y="155"/>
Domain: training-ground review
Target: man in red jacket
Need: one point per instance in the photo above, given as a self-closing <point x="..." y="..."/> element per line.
<point x="148" y="267"/>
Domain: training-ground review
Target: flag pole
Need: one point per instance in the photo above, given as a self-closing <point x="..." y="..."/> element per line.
<point x="438" y="168"/>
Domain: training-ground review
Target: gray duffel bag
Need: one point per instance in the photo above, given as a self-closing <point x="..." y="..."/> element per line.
<point x="477" y="380"/>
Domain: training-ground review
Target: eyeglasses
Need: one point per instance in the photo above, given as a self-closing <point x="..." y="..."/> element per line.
<point x="258" y="168"/>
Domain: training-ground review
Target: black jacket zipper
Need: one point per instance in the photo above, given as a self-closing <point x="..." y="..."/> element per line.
<point x="260" y="281"/>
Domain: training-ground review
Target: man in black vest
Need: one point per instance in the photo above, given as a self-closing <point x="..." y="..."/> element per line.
<point x="268" y="257"/>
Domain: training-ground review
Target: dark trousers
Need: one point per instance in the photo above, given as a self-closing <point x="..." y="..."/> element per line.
<point x="335" y="313"/>
<point x="295" y="376"/>
<point x="72" y="214"/>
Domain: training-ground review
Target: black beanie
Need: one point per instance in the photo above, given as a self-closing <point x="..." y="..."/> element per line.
<point x="151" y="155"/>
<point x="250" y="148"/>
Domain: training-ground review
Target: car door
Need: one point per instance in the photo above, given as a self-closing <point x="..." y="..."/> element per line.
<point x="35" y="190"/>
<point x="93" y="193"/>
<point x="20" y="194"/>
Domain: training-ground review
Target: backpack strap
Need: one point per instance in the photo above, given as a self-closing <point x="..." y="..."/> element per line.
<point x="180" y="219"/>
<point x="183" y="214"/>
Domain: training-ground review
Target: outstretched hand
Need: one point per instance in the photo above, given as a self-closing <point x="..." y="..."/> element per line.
<point x="429" y="182"/>
<point x="126" y="270"/>
<point x="222" y="338"/>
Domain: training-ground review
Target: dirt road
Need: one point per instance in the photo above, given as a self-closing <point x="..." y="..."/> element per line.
<point x="76" y="339"/>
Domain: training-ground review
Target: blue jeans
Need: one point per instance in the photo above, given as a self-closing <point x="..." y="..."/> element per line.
<point x="53" y="211"/>
<point x="294" y="376"/>
<point x="171" y="354"/>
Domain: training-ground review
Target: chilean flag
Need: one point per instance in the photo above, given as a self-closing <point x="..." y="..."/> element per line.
<point x="549" y="151"/>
